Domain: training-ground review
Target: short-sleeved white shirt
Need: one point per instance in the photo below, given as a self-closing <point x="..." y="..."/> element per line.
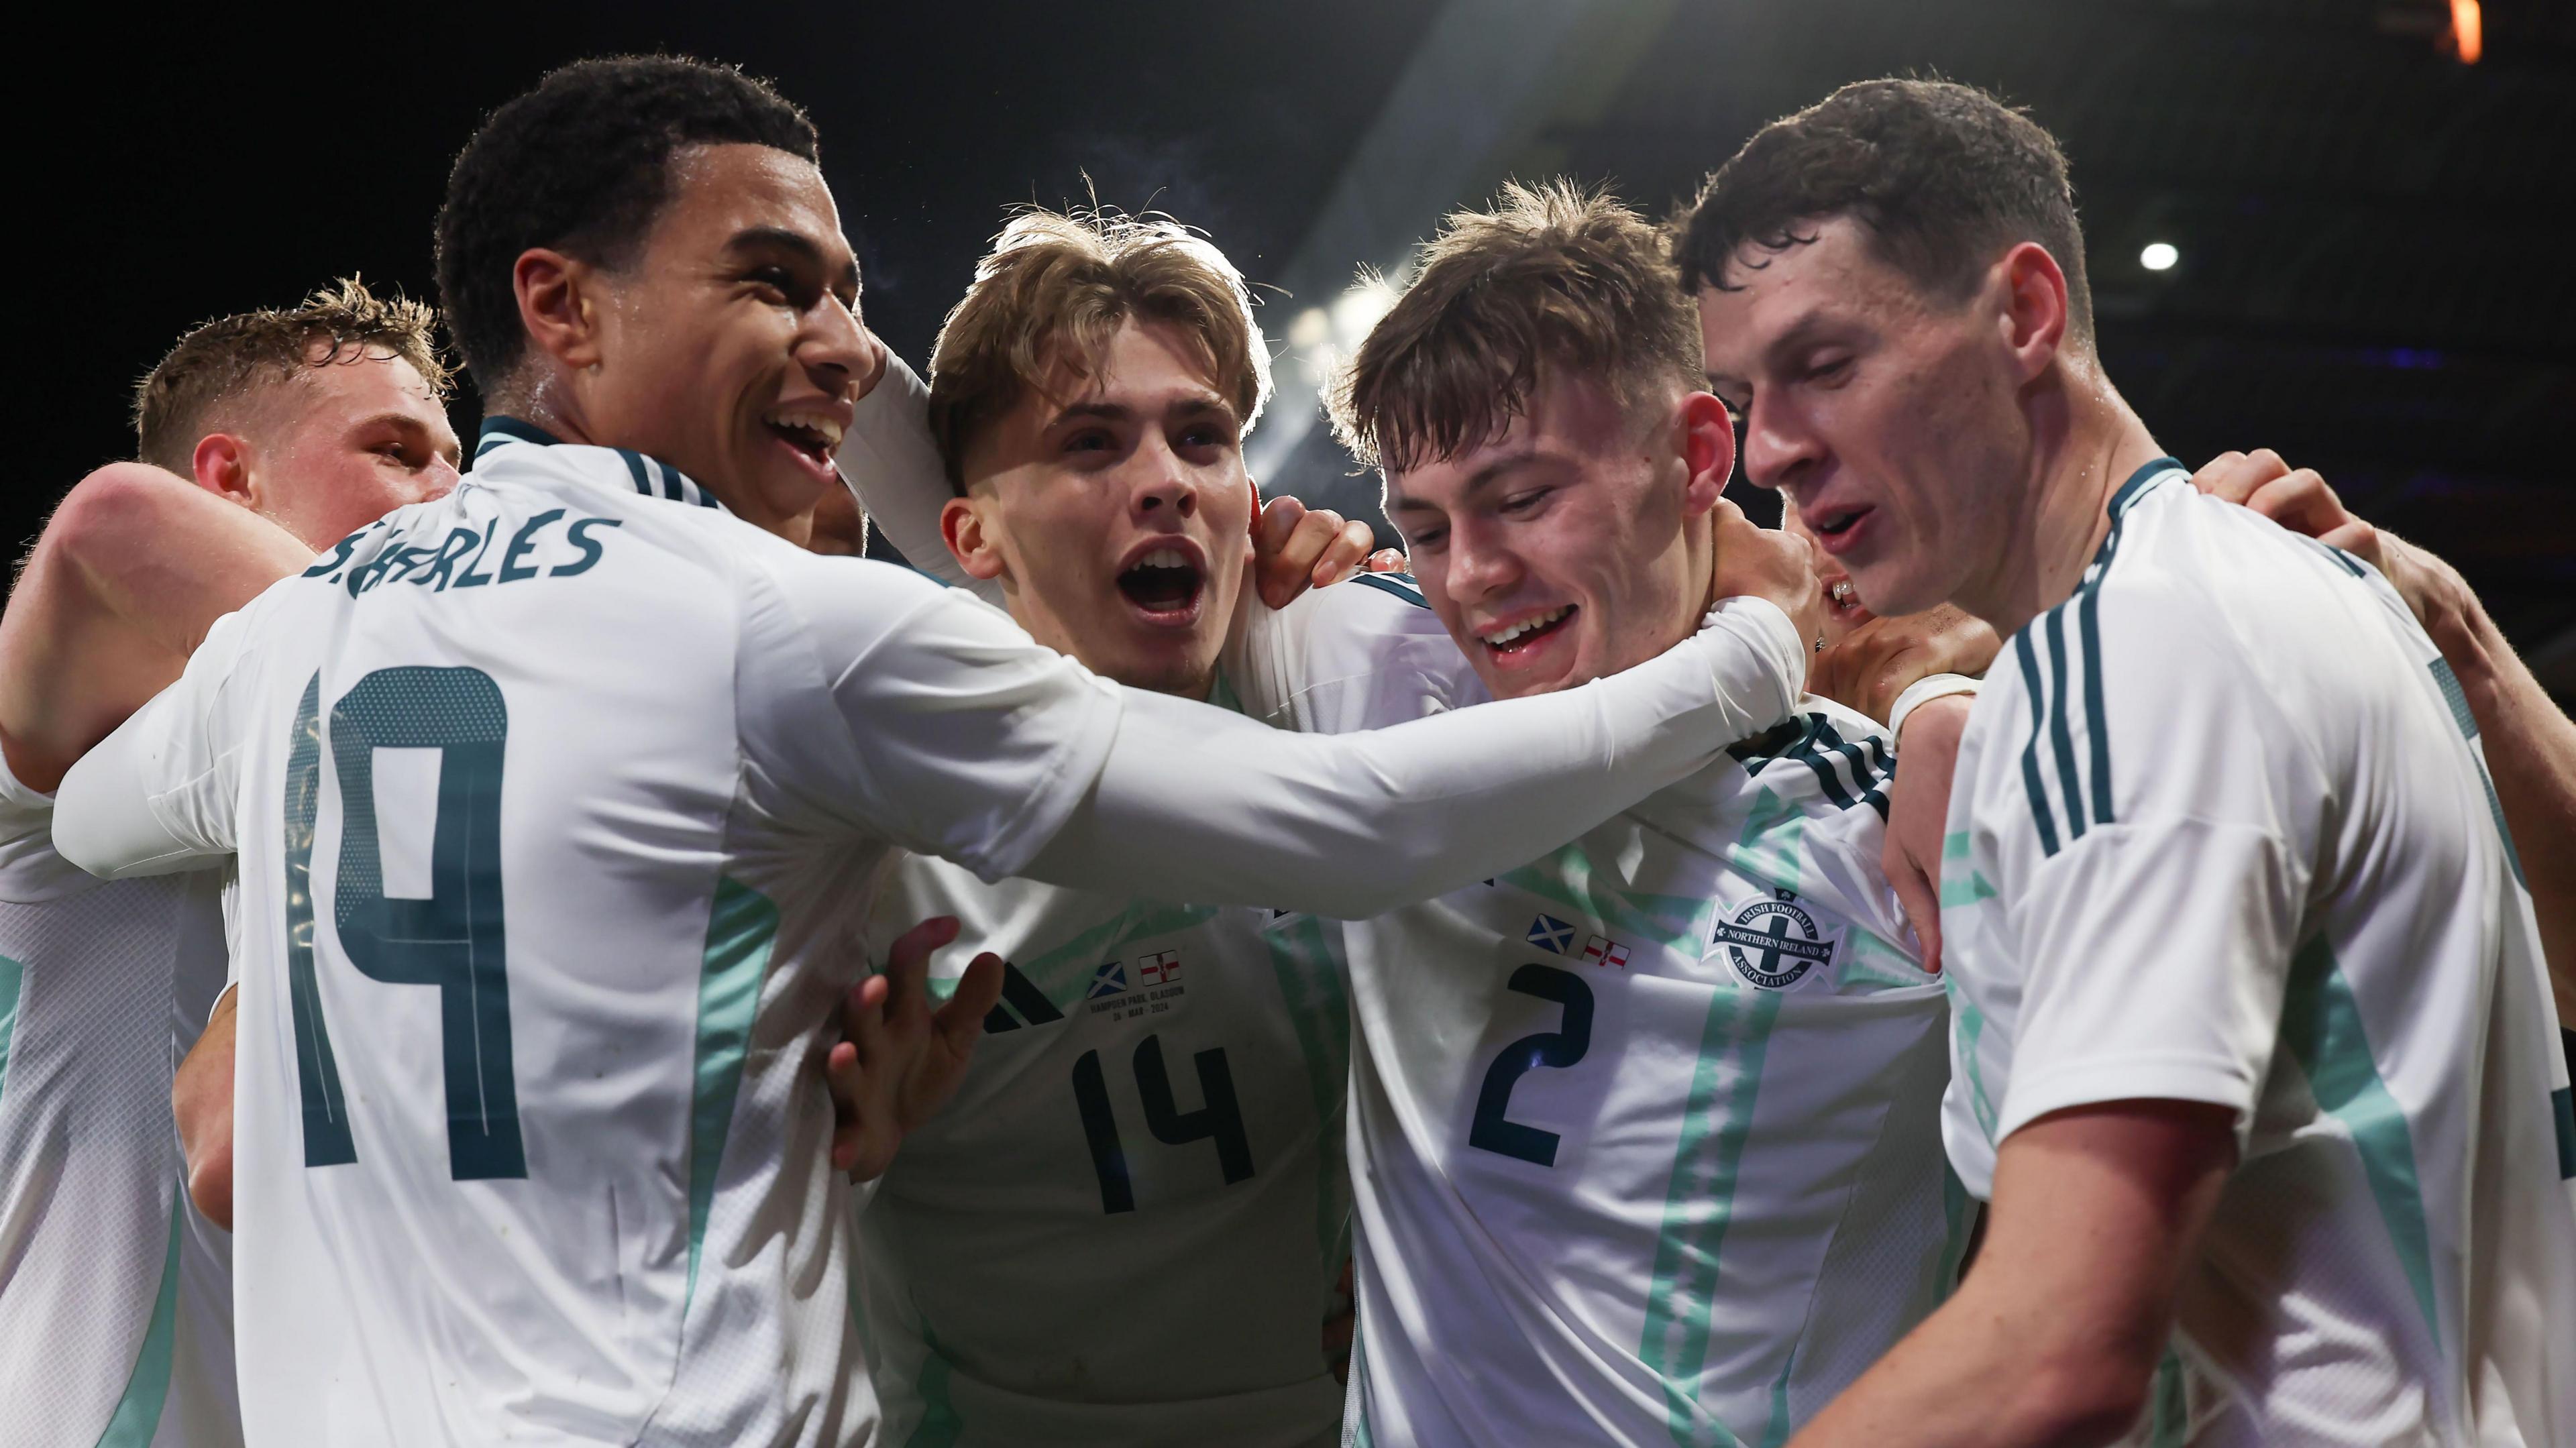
<point x="2220" y="832"/>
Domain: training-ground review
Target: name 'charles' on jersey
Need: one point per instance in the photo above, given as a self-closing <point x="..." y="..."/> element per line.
<point x="2221" y="832"/>
<point x="1645" y="1133"/>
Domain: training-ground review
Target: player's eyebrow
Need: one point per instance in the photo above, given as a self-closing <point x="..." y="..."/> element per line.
<point x="404" y="422"/>
<point x="807" y="250"/>
<point x="1484" y="478"/>
<point x="1191" y="406"/>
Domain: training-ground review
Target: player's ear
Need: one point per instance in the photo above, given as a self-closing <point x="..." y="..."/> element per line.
<point x="2033" y="314"/>
<point x="1708" y="451"/>
<point x="961" y="522"/>
<point x="221" y="466"/>
<point x="559" y="305"/>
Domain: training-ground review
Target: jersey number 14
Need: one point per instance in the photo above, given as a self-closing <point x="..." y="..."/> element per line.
<point x="453" y="940"/>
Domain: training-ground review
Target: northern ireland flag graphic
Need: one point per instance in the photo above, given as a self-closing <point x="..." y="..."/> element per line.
<point x="1161" y="968"/>
<point x="1601" y="950"/>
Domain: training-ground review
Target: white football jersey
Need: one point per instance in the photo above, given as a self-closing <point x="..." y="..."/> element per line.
<point x="1645" y="1140"/>
<point x="2221" y="832"/>
<point x="530" y="1134"/>
<point x="1127" y="1225"/>
<point x="115" y="1294"/>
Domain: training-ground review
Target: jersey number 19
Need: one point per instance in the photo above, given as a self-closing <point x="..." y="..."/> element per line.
<point x="453" y="940"/>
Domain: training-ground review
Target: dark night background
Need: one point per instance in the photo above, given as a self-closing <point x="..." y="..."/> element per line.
<point x="2373" y="237"/>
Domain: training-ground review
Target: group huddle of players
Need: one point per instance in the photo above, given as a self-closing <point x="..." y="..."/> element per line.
<point x="485" y="958"/>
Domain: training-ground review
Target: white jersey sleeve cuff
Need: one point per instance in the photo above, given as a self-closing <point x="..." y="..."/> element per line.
<point x="2157" y="1077"/>
<point x="1924" y="691"/>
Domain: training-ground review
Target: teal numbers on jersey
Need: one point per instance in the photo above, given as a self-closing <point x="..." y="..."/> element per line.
<point x="317" y="1071"/>
<point x="1562" y="1047"/>
<point x="1219" y="1119"/>
<point x="455" y="939"/>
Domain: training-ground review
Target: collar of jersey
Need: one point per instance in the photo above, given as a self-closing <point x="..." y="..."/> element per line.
<point x="650" y="476"/>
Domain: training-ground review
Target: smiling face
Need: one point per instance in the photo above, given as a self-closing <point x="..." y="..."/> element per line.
<point x="1889" y="419"/>
<point x="1116" y="512"/>
<point x="731" y="348"/>
<point x="344" y="442"/>
<point x="1574" y="545"/>
<point x="1843" y="609"/>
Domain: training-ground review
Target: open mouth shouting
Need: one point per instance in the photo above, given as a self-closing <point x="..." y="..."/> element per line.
<point x="1163" y="579"/>
<point x="811" y="433"/>
<point x="1519" y="641"/>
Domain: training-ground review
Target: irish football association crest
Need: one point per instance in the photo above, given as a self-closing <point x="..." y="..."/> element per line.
<point x="1772" y="942"/>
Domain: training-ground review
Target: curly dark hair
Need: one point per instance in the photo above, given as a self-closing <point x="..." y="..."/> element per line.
<point x="218" y="362"/>
<point x="1554" y="280"/>
<point x="1941" y="177"/>
<point x="582" y="164"/>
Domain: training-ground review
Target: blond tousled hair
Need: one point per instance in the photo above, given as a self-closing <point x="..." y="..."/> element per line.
<point x="1054" y="290"/>
<point x="229" y="358"/>
<point x="1553" y="280"/>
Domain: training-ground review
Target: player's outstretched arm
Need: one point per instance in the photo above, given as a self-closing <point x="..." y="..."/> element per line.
<point x="1197" y="804"/>
<point x="2530" y="743"/>
<point x="135" y="565"/>
<point x="2054" y="1338"/>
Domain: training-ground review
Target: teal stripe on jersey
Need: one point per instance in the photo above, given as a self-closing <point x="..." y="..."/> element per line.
<point x="2562" y="1113"/>
<point x="1408" y="590"/>
<point x="1355" y="1423"/>
<point x="1971" y="1026"/>
<point x="1717" y="1120"/>
<point x="940" y="1427"/>
<point x="2169" y="1416"/>
<point x="2061" y="738"/>
<point x="2458" y="699"/>
<point x="635" y="469"/>
<point x="1310" y="982"/>
<point x="2321" y="1026"/>
<point x="2042" y="814"/>
<point x="740" y="928"/>
<point x="1955" y="890"/>
<point x="138" y="1413"/>
<point x="12" y="974"/>
<point x="2088" y="635"/>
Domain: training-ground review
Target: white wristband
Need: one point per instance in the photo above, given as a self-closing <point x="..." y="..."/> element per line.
<point x="1924" y="691"/>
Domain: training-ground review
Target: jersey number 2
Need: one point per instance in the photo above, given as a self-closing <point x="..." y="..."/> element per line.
<point x="455" y="939"/>
<point x="1562" y="1047"/>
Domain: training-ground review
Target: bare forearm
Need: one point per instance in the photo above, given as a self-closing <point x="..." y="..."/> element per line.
<point x="1966" y="1377"/>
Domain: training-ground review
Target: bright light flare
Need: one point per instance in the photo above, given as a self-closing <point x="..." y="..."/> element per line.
<point x="2468" y="30"/>
<point x="2159" y="256"/>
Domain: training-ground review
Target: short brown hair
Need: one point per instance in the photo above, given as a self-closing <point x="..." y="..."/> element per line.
<point x="1054" y="290"/>
<point x="1553" y="279"/>
<point x="225" y="359"/>
<point x="1941" y="177"/>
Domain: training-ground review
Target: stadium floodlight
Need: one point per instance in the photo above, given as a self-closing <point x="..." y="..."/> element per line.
<point x="2159" y="256"/>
